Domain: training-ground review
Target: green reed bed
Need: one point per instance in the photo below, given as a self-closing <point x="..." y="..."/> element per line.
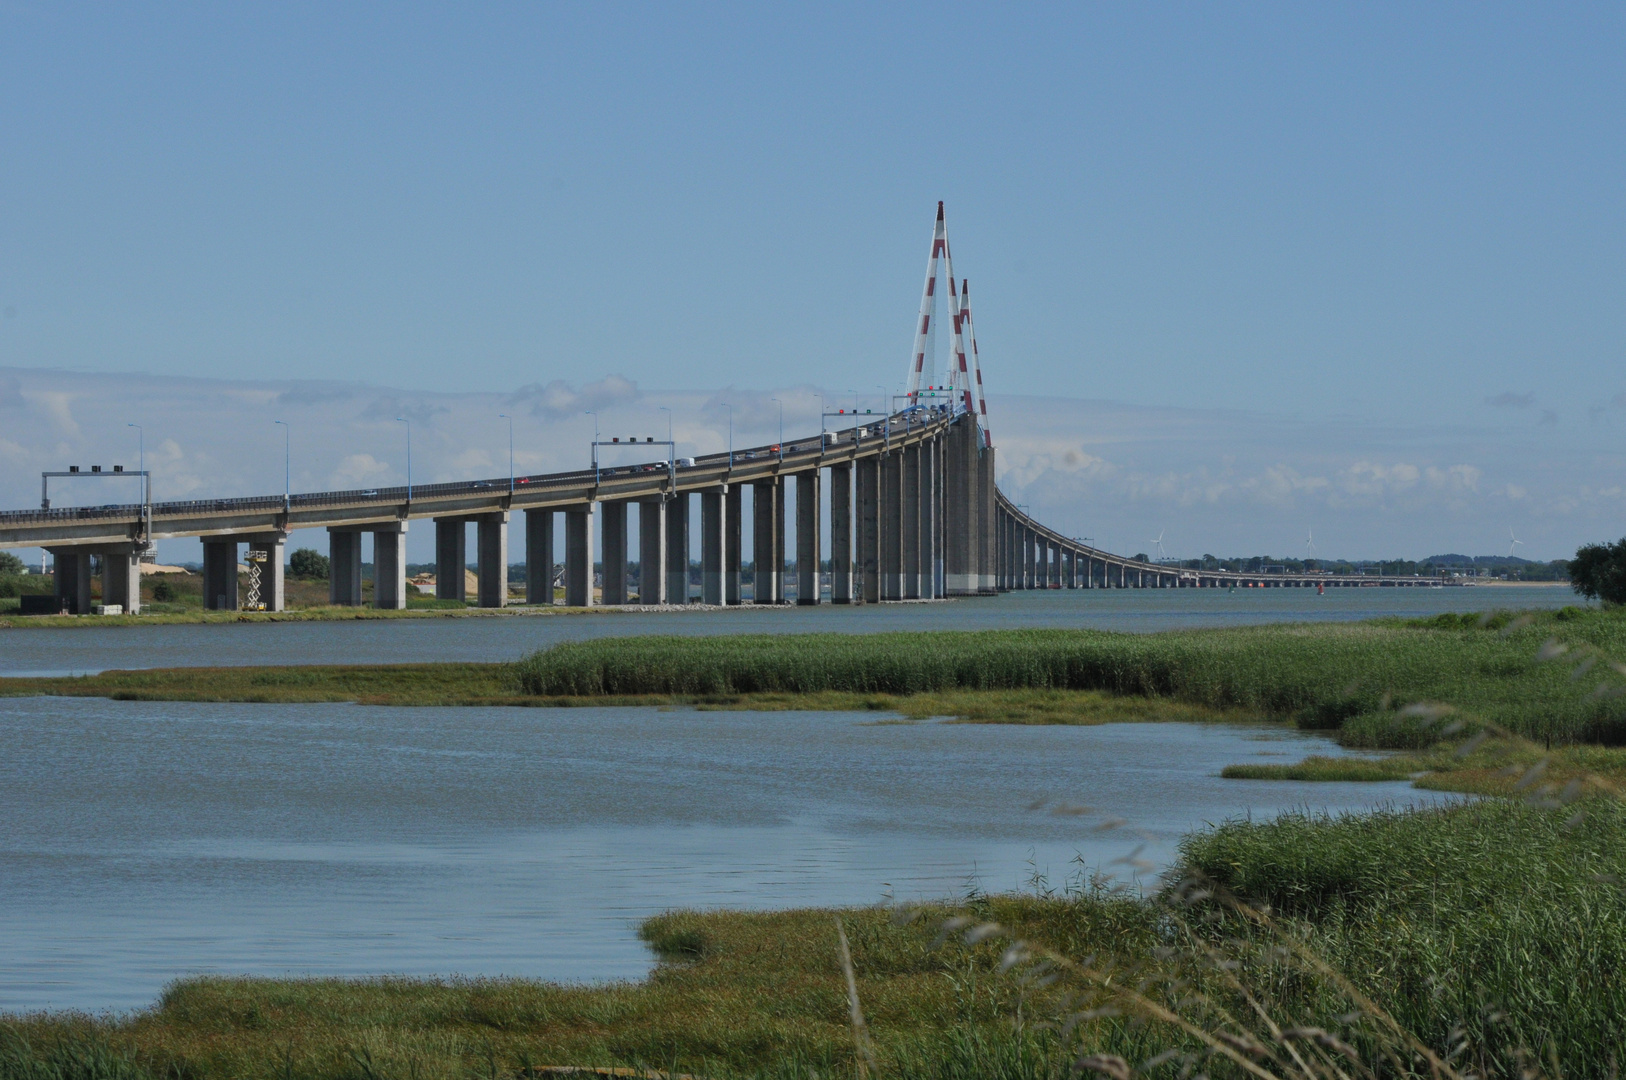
<point x="1360" y="675"/>
<point x="1490" y="934"/>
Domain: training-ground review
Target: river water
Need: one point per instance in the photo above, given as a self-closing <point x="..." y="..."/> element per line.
<point x="88" y="649"/>
<point x="143" y="841"/>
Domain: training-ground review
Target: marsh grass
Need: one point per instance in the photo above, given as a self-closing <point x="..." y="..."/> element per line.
<point x="1320" y="768"/>
<point x="1367" y="678"/>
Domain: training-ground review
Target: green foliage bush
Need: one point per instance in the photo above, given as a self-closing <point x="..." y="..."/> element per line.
<point x="308" y="563"/>
<point x="1504" y="917"/>
<point x="163" y="592"/>
<point x="24" y="585"/>
<point x="11" y="565"/>
<point x="1598" y="572"/>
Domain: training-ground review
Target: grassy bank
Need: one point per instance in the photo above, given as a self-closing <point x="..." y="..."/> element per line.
<point x="1435" y="917"/>
<point x="1536" y="674"/>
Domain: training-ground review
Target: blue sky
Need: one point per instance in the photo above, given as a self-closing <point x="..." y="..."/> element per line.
<point x="1353" y="219"/>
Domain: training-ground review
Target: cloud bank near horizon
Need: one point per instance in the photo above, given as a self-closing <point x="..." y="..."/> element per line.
<point x="1212" y="481"/>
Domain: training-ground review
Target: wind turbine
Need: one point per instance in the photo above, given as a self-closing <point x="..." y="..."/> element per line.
<point x="1162" y="555"/>
<point x="1513" y="542"/>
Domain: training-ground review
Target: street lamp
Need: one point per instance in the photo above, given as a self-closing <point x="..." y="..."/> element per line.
<point x="730" y="409"/>
<point x="510" y="419"/>
<point x="781" y="405"/>
<point x="408" y="423"/>
<point x="594" y="415"/>
<point x="287" y="472"/>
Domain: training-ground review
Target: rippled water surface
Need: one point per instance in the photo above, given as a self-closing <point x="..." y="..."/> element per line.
<point x="89" y="649"/>
<point x="143" y="841"/>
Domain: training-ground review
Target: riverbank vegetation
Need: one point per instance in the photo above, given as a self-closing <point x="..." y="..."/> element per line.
<point x="1398" y="943"/>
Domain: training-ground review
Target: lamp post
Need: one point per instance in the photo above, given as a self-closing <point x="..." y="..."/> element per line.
<point x="510" y="419"/>
<point x="730" y="409"/>
<point x="781" y="405"/>
<point x="594" y="415"/>
<point x="408" y="423"/>
<point x="141" y="461"/>
<point x="287" y="458"/>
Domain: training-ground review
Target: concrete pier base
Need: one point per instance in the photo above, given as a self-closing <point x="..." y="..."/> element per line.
<point x="539" y="557"/>
<point x="733" y="546"/>
<point x="389" y="567"/>
<point x="579" y="555"/>
<point x="677" y="549"/>
<point x="121" y="578"/>
<point x="344" y="567"/>
<point x="891" y="526"/>
<point x="808" y="533"/>
<point x="652" y="551"/>
<point x="841" y="534"/>
<point x="451" y="558"/>
<point x="613" y="552"/>
<point x="491" y="559"/>
<point x="273" y="571"/>
<point x="909" y="532"/>
<point x="220" y="575"/>
<point x="867" y="559"/>
<point x="768" y="541"/>
<point x="711" y="547"/>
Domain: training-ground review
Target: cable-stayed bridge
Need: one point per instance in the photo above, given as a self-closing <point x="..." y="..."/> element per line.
<point x="914" y="513"/>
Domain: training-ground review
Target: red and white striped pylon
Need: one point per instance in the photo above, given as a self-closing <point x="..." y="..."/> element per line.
<point x="976" y="361"/>
<point x="928" y="305"/>
<point x="960" y="376"/>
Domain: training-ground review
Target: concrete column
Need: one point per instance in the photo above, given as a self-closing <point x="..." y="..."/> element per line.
<point x="928" y="519"/>
<point x="613" y="551"/>
<point x="121" y="579"/>
<point x="940" y="512"/>
<point x="652" y="551"/>
<point x="71" y="570"/>
<point x="389" y="567"/>
<point x="808" y="534"/>
<point x="344" y="567"/>
<point x="868" y="558"/>
<point x="986" y="503"/>
<point x="220" y="575"/>
<point x="891" y="517"/>
<point x="961" y="573"/>
<point x="909" y="533"/>
<point x="999" y="581"/>
<point x="491" y="558"/>
<point x="733" y="542"/>
<point x="841" y="534"/>
<point x="451" y="558"/>
<point x="1055" y="565"/>
<point x="677" y="548"/>
<point x="711" y="547"/>
<point x="768" y="544"/>
<point x="539" y="557"/>
<point x="1030" y="558"/>
<point x="579" y="552"/>
<point x="273" y="572"/>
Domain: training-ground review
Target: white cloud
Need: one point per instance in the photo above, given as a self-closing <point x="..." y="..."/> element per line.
<point x="358" y="470"/>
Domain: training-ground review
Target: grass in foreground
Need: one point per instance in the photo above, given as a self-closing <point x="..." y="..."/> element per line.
<point x="1489" y="933"/>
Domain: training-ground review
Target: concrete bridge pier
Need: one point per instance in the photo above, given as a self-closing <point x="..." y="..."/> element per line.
<point x="711" y="547"/>
<point x="71" y="569"/>
<point x="808" y="530"/>
<point x="841" y="534"/>
<point x="930" y="496"/>
<point x="733" y="542"/>
<point x="891" y="526"/>
<point x="344" y="565"/>
<point x="613" y="551"/>
<point x="939" y="516"/>
<point x="491" y="558"/>
<point x="273" y="574"/>
<point x="867" y="560"/>
<point x="768" y="540"/>
<point x="962" y="511"/>
<point x="652" y="551"/>
<point x="451" y="558"/>
<point x="220" y="574"/>
<point x="539" y="557"/>
<point x="389" y="566"/>
<point x="677" y="548"/>
<point x="987" y="503"/>
<point x="579" y="558"/>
